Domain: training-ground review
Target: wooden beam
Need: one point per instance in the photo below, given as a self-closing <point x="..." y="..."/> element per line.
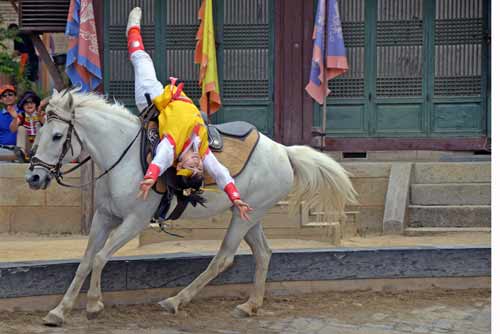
<point x="278" y="70"/>
<point x="307" y="47"/>
<point x="401" y="144"/>
<point x="47" y="59"/>
<point x="293" y="108"/>
<point x="292" y="85"/>
<point x="13" y="3"/>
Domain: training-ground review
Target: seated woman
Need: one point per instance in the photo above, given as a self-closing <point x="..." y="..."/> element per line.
<point x="184" y="138"/>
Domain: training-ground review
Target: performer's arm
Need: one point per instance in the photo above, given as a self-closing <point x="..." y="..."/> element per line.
<point x="221" y="175"/>
<point x="225" y="181"/>
<point x="162" y="161"/>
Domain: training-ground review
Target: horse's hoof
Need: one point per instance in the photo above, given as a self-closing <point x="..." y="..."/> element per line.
<point x="93" y="312"/>
<point x="243" y="311"/>
<point x="53" y="320"/>
<point x="93" y="315"/>
<point x="169" y="305"/>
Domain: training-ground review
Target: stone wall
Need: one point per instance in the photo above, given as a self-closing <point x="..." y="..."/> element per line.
<point x="370" y="179"/>
<point x="57" y="210"/>
<point x="50" y="211"/>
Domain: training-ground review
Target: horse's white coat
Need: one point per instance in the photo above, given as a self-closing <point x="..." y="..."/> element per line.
<point x="272" y="172"/>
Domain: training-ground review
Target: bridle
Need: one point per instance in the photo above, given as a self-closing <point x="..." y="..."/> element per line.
<point x="55" y="169"/>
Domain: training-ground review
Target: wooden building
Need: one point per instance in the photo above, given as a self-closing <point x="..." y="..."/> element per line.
<point x="419" y="75"/>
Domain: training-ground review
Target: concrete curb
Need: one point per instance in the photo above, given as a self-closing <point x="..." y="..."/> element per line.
<point x="40" y="278"/>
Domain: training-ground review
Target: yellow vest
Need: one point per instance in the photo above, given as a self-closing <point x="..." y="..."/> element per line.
<point x="179" y="119"/>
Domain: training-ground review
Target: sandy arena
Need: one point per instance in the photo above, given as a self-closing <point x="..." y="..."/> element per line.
<point x="361" y="312"/>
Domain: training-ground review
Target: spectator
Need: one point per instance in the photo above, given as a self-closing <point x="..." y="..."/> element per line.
<point x="25" y="48"/>
<point x="30" y="117"/>
<point x="8" y="115"/>
<point x="8" y="119"/>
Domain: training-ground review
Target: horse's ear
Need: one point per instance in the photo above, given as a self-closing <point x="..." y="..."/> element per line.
<point x="55" y="92"/>
<point x="75" y="89"/>
<point x="69" y="102"/>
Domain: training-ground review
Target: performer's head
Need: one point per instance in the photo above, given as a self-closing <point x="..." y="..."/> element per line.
<point x="190" y="167"/>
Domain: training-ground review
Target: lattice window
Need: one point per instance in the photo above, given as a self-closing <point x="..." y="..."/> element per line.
<point x="43" y="15"/>
<point x="121" y="73"/>
<point x="180" y="39"/>
<point x="399" y="48"/>
<point x="351" y="84"/>
<point x="458" y="50"/>
<point x="246" y="49"/>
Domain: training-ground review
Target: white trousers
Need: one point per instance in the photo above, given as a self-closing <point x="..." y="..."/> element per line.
<point x="145" y="78"/>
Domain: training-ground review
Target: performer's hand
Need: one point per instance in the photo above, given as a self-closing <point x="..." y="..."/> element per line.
<point x="144" y="188"/>
<point x="244" y="209"/>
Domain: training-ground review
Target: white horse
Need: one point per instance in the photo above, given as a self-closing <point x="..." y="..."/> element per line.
<point x="104" y="130"/>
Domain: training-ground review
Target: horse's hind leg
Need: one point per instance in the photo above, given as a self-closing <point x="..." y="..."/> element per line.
<point x="256" y="239"/>
<point x="222" y="260"/>
<point x="99" y="232"/>
<point x="125" y="232"/>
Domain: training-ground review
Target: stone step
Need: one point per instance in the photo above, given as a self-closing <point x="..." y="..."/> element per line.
<point x="452" y="172"/>
<point x="451" y="194"/>
<point x="449" y="216"/>
<point x="429" y="231"/>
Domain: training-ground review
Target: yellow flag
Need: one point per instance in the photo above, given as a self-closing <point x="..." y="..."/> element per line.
<point x="206" y="56"/>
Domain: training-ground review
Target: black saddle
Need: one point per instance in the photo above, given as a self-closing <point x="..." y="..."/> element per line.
<point x="236" y="129"/>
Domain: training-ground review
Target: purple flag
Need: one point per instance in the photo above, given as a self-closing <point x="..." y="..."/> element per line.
<point x="336" y="60"/>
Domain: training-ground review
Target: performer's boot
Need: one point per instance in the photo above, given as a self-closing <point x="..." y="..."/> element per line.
<point x="133" y="31"/>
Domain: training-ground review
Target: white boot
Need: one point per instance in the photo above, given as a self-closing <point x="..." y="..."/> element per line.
<point x="134" y="19"/>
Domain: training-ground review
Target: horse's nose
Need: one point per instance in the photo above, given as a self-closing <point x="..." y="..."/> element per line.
<point x="33" y="179"/>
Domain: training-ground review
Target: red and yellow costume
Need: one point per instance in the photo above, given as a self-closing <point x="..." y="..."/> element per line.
<point x="181" y="126"/>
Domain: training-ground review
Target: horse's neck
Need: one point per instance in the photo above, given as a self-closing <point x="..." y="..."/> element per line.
<point x="106" y="136"/>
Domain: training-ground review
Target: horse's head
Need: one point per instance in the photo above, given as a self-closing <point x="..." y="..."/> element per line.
<point x="57" y="142"/>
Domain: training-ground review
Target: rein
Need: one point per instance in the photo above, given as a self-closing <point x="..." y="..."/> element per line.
<point x="55" y="169"/>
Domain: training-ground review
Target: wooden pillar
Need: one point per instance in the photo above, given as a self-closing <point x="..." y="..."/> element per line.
<point x="47" y="59"/>
<point x="294" y="21"/>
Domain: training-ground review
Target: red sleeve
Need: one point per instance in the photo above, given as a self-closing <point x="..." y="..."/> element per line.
<point x="153" y="172"/>
<point x="232" y="192"/>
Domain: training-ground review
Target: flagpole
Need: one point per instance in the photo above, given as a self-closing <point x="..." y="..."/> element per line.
<point x="325" y="82"/>
<point x="208" y="108"/>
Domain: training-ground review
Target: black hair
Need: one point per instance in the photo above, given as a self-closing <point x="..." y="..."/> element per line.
<point x="194" y="182"/>
<point x="13" y="26"/>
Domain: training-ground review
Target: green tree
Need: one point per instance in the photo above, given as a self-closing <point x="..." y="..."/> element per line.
<point x="9" y="64"/>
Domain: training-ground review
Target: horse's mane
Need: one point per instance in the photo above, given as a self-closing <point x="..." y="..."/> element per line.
<point x="92" y="101"/>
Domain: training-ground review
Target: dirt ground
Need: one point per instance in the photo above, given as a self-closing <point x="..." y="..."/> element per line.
<point x="366" y="312"/>
<point x="27" y="247"/>
<point x="431" y="311"/>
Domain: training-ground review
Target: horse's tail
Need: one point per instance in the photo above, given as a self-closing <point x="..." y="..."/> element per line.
<point x="320" y="182"/>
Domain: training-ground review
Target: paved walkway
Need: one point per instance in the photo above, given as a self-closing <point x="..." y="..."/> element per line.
<point x="29" y="247"/>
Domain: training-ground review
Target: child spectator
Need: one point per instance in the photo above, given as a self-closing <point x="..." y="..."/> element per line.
<point x="30" y="118"/>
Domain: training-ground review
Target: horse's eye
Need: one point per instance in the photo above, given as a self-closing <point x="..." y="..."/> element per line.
<point x="57" y="136"/>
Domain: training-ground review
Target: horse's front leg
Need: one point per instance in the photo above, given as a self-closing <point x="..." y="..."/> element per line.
<point x="132" y="225"/>
<point x="99" y="232"/>
<point x="256" y="239"/>
<point x="222" y="260"/>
